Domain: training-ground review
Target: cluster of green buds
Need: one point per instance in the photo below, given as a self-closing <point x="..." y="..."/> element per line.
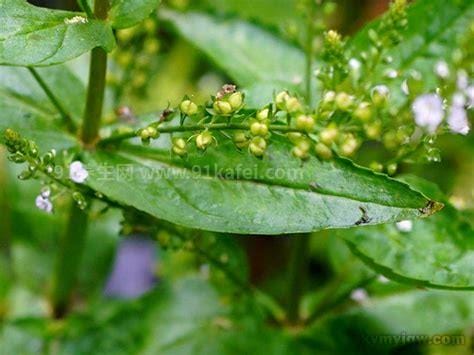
<point x="136" y="54"/>
<point x="26" y="151"/>
<point x="147" y="134"/>
<point x="228" y="101"/>
<point x="334" y="56"/>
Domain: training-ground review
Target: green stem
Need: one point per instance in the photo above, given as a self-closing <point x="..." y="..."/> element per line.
<point x="96" y="88"/>
<point x="297" y="274"/>
<point x="309" y="52"/>
<point x="68" y="260"/>
<point x="201" y="127"/>
<point x="70" y="125"/>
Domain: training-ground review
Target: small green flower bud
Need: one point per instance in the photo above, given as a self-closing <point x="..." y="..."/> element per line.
<point x="363" y="112"/>
<point x="301" y="149"/>
<point x="376" y="166"/>
<point x="344" y="101"/>
<point x="80" y="200"/>
<point x="263" y="114"/>
<point x="236" y="100"/>
<point x="240" y="140"/>
<point x="179" y="147"/>
<point x="333" y="38"/>
<point x="222" y="107"/>
<point x="294" y="137"/>
<point x="17" y="157"/>
<point x="392" y="169"/>
<point x="259" y="129"/>
<point x="25" y="175"/>
<point x="188" y="107"/>
<point x="349" y="145"/>
<point x="373" y="130"/>
<point x="292" y="105"/>
<point x="204" y="139"/>
<point x="151" y="46"/>
<point x="163" y="238"/>
<point x="305" y="122"/>
<point x="329" y="135"/>
<point x="152" y="132"/>
<point x="390" y="140"/>
<point x="329" y="97"/>
<point x="280" y="100"/>
<point x="380" y="95"/>
<point x="257" y="146"/>
<point x="322" y="151"/>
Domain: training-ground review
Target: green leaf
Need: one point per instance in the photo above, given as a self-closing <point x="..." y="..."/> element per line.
<point x="438" y="252"/>
<point x="34" y="36"/>
<point x="126" y="13"/>
<point x="380" y="325"/>
<point x="25" y="108"/>
<point x="247" y="53"/>
<point x="226" y="190"/>
<point x="427" y="39"/>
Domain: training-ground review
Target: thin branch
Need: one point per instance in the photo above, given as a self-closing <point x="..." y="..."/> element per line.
<point x="70" y="125"/>
<point x="201" y="127"/>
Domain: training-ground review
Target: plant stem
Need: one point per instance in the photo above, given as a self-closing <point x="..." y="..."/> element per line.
<point x="68" y="260"/>
<point x="297" y="274"/>
<point x="201" y="127"/>
<point x="309" y="52"/>
<point x="96" y="88"/>
<point x="70" y="125"/>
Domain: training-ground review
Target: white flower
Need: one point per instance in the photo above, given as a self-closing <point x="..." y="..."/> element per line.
<point x="470" y="96"/>
<point x="359" y="295"/>
<point x="404" y="226"/>
<point x="354" y="64"/>
<point x="381" y="89"/>
<point x="428" y="111"/>
<point x="77" y="172"/>
<point x="459" y="99"/>
<point x="457" y="120"/>
<point x="442" y="69"/>
<point x="75" y="20"/>
<point x="382" y="279"/>
<point x="462" y="80"/>
<point x="43" y="203"/>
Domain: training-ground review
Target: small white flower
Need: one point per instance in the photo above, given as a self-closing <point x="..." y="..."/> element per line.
<point x="45" y="192"/>
<point x="359" y="295"/>
<point x="470" y="96"/>
<point x="442" y="69"/>
<point x="354" y="64"/>
<point x="428" y="111"/>
<point x="391" y="73"/>
<point x="381" y="89"/>
<point x="457" y="120"/>
<point x="459" y="100"/>
<point x="77" y="172"/>
<point x="75" y="20"/>
<point x="462" y="81"/>
<point x="404" y="226"/>
<point x="382" y="279"/>
<point x="405" y="89"/>
<point x="43" y="203"/>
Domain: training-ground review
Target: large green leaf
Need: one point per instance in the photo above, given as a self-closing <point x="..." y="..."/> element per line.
<point x="247" y="53"/>
<point x="230" y="191"/>
<point x="126" y="13"/>
<point x="34" y="36"/>
<point x="393" y="321"/>
<point x="25" y="108"/>
<point x="438" y="252"/>
<point x="427" y="39"/>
